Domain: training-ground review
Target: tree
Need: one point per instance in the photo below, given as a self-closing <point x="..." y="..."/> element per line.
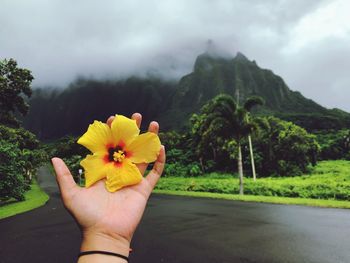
<point x="283" y="148"/>
<point x="224" y="119"/>
<point x="334" y="144"/>
<point x="14" y="86"/>
<point x="30" y="155"/>
<point x="213" y="151"/>
<point x="12" y="181"/>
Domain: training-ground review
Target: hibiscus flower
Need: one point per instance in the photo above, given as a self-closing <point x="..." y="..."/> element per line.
<point x="116" y="150"/>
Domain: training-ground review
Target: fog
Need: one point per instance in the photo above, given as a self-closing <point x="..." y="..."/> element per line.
<point x="305" y="42"/>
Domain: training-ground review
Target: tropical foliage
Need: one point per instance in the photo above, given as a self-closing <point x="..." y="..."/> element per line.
<point x="14" y="85"/>
<point x="221" y="122"/>
<point x="20" y="156"/>
<point x="20" y="152"/>
<point x="12" y="180"/>
<point x="280" y="148"/>
<point x="328" y="180"/>
<point x="283" y="148"/>
<point x="334" y="144"/>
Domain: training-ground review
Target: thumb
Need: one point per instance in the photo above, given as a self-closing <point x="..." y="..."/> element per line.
<point x="64" y="179"/>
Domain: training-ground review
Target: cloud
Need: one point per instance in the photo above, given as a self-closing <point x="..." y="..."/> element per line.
<point x="306" y="42"/>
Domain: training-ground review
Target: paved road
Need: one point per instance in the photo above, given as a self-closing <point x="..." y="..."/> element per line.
<point x="179" y="229"/>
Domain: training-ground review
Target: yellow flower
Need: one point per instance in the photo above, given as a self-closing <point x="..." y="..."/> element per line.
<point x="116" y="150"/>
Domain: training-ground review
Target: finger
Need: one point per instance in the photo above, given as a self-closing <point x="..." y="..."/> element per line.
<point x="153" y="127"/>
<point x="158" y="167"/>
<point x="138" y="118"/>
<point x="64" y="179"/>
<point x="110" y="120"/>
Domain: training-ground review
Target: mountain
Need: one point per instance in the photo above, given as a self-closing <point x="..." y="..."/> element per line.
<point x="242" y="78"/>
<point x="214" y="75"/>
<point x="54" y="114"/>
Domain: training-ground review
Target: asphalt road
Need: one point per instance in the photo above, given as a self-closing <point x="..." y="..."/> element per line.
<point x="181" y="229"/>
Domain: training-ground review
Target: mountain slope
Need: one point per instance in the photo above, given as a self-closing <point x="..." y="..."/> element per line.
<point x="214" y="75"/>
<point x="54" y="114"/>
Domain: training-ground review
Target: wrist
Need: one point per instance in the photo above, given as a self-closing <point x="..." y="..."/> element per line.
<point x="94" y="240"/>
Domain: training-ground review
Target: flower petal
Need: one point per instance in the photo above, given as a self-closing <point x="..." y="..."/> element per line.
<point x="122" y="175"/>
<point x="144" y="149"/>
<point x="97" y="137"/>
<point x="124" y="130"/>
<point x="95" y="168"/>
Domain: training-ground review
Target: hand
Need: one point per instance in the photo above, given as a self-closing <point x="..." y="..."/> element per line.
<point x="108" y="220"/>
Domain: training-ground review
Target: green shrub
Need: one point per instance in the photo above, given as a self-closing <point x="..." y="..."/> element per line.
<point x="334" y="144"/>
<point x="195" y="170"/>
<point x="175" y="169"/>
<point x="12" y="180"/>
<point x="31" y="153"/>
<point x="283" y="148"/>
<point x="178" y="169"/>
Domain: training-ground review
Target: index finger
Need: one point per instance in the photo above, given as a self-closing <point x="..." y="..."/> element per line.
<point x="158" y="167"/>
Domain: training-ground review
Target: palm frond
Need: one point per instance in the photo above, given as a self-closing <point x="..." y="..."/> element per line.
<point x="252" y="102"/>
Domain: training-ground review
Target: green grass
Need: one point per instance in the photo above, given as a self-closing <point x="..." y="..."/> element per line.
<point x="262" y="199"/>
<point x="329" y="180"/>
<point x="34" y="198"/>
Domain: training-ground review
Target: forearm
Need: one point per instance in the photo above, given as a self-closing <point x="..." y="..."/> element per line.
<point x="102" y="242"/>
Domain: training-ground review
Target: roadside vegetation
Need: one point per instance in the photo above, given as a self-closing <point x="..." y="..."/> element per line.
<point x="20" y="151"/>
<point x="207" y="158"/>
<point x="33" y="198"/>
<point x="328" y="180"/>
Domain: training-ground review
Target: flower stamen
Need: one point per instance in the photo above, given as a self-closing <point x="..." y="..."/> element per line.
<point x="119" y="156"/>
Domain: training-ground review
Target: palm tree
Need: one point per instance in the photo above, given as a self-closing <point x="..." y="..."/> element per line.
<point x="232" y="121"/>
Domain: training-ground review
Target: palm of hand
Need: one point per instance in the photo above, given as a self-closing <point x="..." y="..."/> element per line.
<point x="114" y="214"/>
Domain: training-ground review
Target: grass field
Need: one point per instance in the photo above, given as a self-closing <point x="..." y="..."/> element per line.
<point x="329" y="180"/>
<point x="34" y="198"/>
<point x="262" y="199"/>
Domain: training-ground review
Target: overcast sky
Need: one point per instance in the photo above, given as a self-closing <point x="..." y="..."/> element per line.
<point x="306" y="42"/>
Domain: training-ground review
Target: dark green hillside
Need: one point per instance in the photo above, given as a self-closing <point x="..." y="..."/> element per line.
<point x="54" y="114"/>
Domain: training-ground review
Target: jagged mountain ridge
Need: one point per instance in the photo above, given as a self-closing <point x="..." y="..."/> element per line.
<point x="173" y="103"/>
<point x="212" y="76"/>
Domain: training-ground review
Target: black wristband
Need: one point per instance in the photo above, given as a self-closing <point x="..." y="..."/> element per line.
<point x="103" y="253"/>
